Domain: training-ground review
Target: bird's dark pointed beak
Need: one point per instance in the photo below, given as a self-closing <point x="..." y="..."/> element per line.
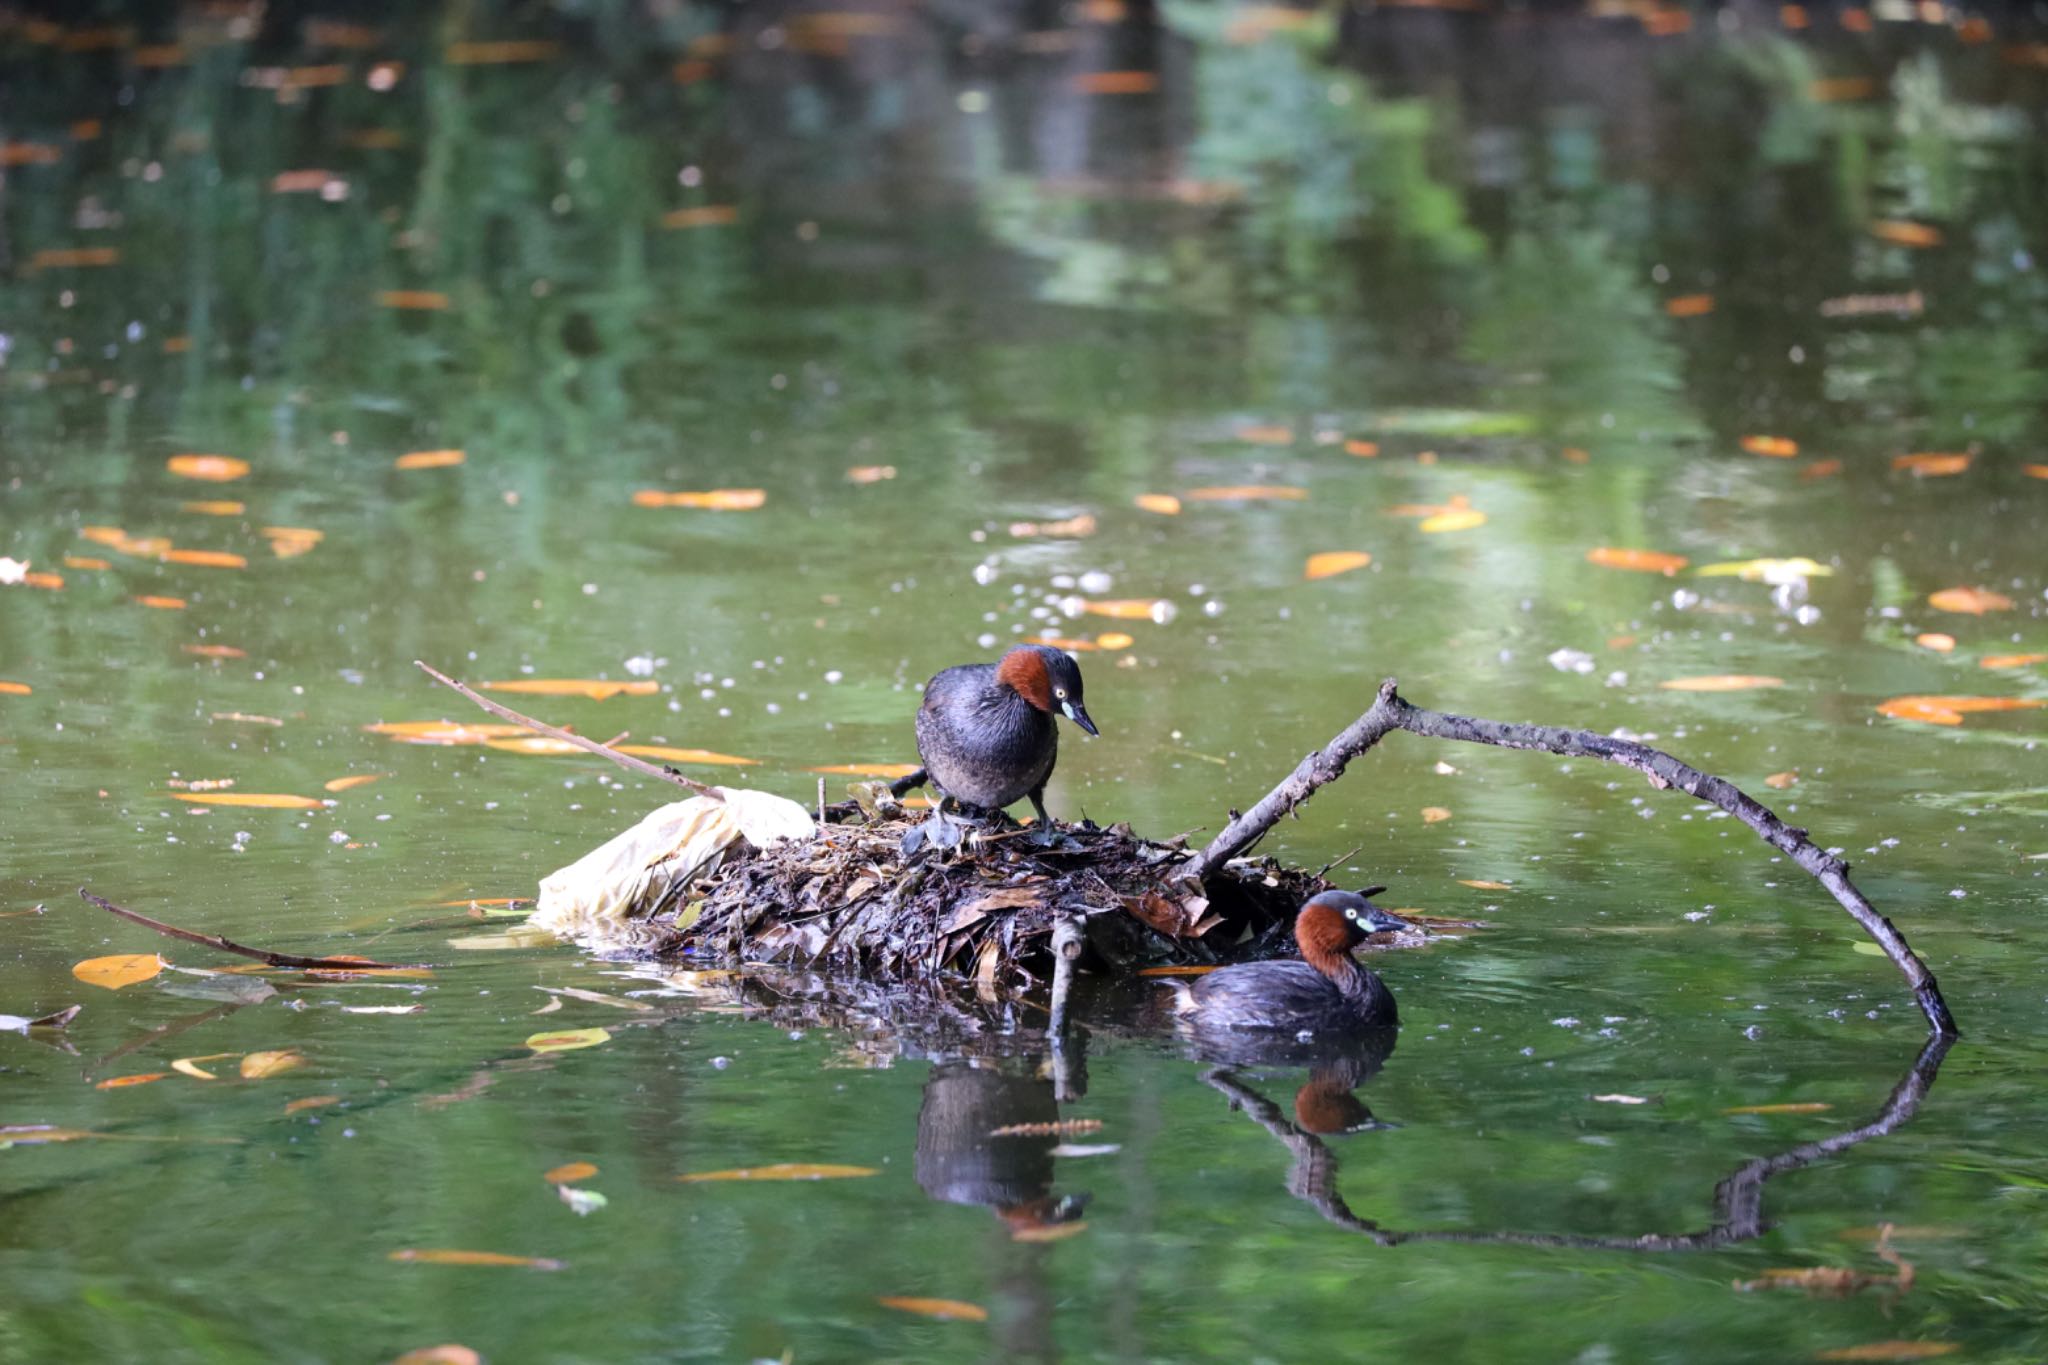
<point x="1381" y="922"/>
<point x="1079" y="715"/>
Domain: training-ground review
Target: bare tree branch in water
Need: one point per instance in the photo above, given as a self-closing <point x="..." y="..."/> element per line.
<point x="1738" y="1200"/>
<point x="1389" y="713"/>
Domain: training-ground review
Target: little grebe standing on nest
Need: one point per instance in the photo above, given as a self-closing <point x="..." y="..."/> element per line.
<point x="1326" y="992"/>
<point x="986" y="731"/>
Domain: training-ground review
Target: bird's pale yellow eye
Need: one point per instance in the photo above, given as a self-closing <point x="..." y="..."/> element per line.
<point x="1350" y="914"/>
<point x="1060" y="692"/>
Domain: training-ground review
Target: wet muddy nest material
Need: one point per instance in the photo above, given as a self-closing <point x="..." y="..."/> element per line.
<point x="852" y="898"/>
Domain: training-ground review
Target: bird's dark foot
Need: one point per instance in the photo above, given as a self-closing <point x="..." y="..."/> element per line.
<point x="1045" y="832"/>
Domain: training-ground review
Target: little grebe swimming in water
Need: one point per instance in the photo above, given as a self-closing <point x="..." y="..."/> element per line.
<point x="1326" y="992"/>
<point x="986" y="731"/>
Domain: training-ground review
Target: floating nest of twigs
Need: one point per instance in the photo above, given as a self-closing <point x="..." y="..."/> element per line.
<point x="871" y="892"/>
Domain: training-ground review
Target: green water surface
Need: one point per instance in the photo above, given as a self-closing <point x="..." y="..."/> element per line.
<point x="690" y="247"/>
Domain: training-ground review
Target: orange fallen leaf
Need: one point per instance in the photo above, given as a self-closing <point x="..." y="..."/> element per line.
<point x="1176" y="971"/>
<point x="1073" y="528"/>
<point x="141" y="1078"/>
<point x="1249" y="493"/>
<point x="1721" y="682"/>
<point x="1969" y="601"/>
<point x="713" y="500"/>
<point x="262" y="1065"/>
<point x="870" y="473"/>
<point x="867" y="769"/>
<point x="1265" y="435"/>
<point x="785" y="1170"/>
<point x="542" y="746"/>
<point x="161" y="603"/>
<point x="353" y="780"/>
<point x="1644" y="561"/>
<point x="2011" y="660"/>
<point x="259" y="800"/>
<point x="1775" y="447"/>
<point x="42" y="580"/>
<point x="1453" y="519"/>
<point x="54" y="258"/>
<point x="29" y="154"/>
<point x="1164" y="504"/>
<point x="210" y="468"/>
<point x="1364" y="450"/>
<point x="449" y="1256"/>
<point x="1936" y="641"/>
<point x="1806" y="1107"/>
<point x="1114" y="639"/>
<point x="2035" y="471"/>
<point x="701" y="216"/>
<point x="85" y="562"/>
<point x="945" y="1310"/>
<point x="1432" y="815"/>
<point x="210" y="559"/>
<point x="1951" y="710"/>
<point x="593" y="688"/>
<point x="568" y="1040"/>
<point x="1576" y="455"/>
<point x="1891" y="1350"/>
<point x="300" y="1106"/>
<point x="1835" y="89"/>
<point x="1900" y="232"/>
<point x="1689" y="305"/>
<point x="570" y="1173"/>
<point x="1072" y="646"/>
<point x="445" y="732"/>
<point x="1049" y="1232"/>
<point x="1330" y="563"/>
<point x="1780" y="781"/>
<point x="1130" y="608"/>
<point x="1933" y="466"/>
<point x="1820" y="469"/>
<point x="122" y="969"/>
<point x="429" y="459"/>
<point x="1479" y="884"/>
<point x="215" y="507"/>
<point x="15" y="689"/>
<point x="417" y="300"/>
<point x="1115" y="83"/>
<point x="671" y="754"/>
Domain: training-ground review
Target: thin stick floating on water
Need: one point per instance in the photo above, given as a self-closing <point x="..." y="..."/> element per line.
<point x="1389" y="712"/>
<point x="638" y="765"/>
<point x="228" y="945"/>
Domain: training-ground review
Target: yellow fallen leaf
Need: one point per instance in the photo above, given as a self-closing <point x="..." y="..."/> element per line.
<point x="1250" y="492"/>
<point x="701" y="216"/>
<point x="85" y="562"/>
<point x="122" y="969"/>
<point x="568" y="1040"/>
<point x="262" y="800"/>
<point x="870" y="473"/>
<point x="715" y="500"/>
<point x="867" y="769"/>
<point x="1936" y="641"/>
<point x="543" y="745"/>
<point x="1156" y="609"/>
<point x="1330" y="563"/>
<point x="1775" y="447"/>
<point x="448" y="1256"/>
<point x="570" y="1173"/>
<point x="209" y="468"/>
<point x="300" y="1106"/>
<point x="1902" y="233"/>
<point x="289" y="542"/>
<point x="1050" y="1232"/>
<point x="215" y="651"/>
<point x="1721" y="682"/>
<point x="945" y="1310"/>
<point x="1766" y="570"/>
<point x="1807" y="1107"/>
<point x="1165" y="504"/>
<point x="1643" y="561"/>
<point x="447" y="1353"/>
<point x="2011" y="660"/>
<point x="342" y="784"/>
<point x="446" y="732"/>
<point x="215" y="508"/>
<point x="1969" y="601"/>
<point x="141" y="1078"/>
<point x="786" y="1170"/>
<point x="593" y="688"/>
<point x="161" y="603"/>
<point x="1432" y="815"/>
<point x="262" y="1065"/>
<point x="1780" y="781"/>
<point x="1480" y="884"/>
<point x="1951" y="710"/>
<point x="1453" y="519"/>
<point x="15" y="689"/>
<point x="189" y="1066"/>
<point x="429" y="459"/>
<point x="671" y="754"/>
<point x="1114" y="639"/>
